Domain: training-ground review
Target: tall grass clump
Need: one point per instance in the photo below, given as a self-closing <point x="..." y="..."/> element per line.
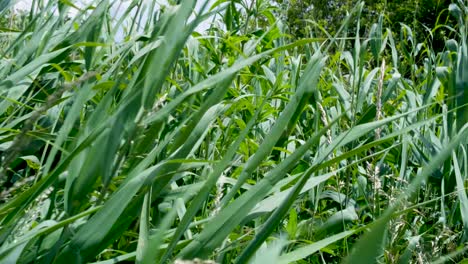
<point x="128" y="133"/>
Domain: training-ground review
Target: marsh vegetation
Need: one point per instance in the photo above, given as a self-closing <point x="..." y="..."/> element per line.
<point x="128" y="134"/>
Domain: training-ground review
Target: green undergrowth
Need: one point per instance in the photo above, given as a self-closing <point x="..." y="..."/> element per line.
<point x="131" y="133"/>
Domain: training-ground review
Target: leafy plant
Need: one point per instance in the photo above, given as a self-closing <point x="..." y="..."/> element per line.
<point x="129" y="134"/>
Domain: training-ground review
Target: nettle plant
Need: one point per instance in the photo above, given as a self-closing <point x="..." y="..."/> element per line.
<point x="128" y="134"/>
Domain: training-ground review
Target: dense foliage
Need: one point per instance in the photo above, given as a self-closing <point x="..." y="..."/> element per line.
<point x="427" y="18"/>
<point x="130" y="134"/>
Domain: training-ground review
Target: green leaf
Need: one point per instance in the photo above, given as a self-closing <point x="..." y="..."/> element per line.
<point x="308" y="250"/>
<point x="32" y="161"/>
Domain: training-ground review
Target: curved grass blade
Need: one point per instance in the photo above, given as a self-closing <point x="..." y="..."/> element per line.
<point x="208" y="185"/>
<point x="370" y="246"/>
<point x="308" y="250"/>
